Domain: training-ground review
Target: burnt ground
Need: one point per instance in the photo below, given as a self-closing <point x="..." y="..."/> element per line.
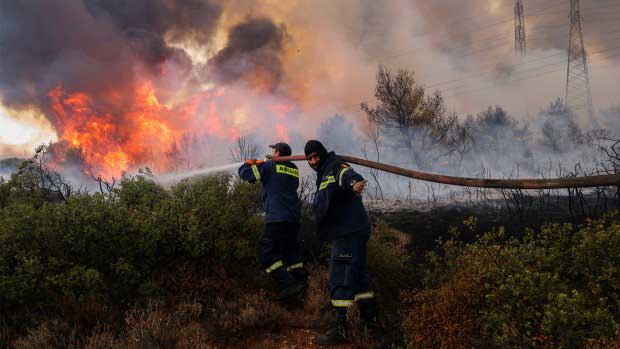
<point x="425" y="227"/>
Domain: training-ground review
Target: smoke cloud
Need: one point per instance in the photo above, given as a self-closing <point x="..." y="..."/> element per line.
<point x="253" y="48"/>
<point x="283" y="68"/>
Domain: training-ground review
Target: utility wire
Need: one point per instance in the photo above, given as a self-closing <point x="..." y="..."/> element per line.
<point x="562" y="61"/>
<point x="534" y="76"/>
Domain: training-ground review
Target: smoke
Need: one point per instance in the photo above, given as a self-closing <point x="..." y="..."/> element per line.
<point x="91" y="46"/>
<point x="251" y="53"/>
<point x="283" y="68"/>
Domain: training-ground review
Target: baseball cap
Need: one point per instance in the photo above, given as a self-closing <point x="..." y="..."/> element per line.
<point x="283" y="148"/>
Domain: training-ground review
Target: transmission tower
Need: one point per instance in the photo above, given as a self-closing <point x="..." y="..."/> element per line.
<point x="578" y="95"/>
<point x="519" y="27"/>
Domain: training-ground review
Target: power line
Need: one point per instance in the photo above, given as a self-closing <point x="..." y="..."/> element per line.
<point x="481" y="73"/>
<point x="464" y="34"/>
<point x="497" y="67"/>
<point x="494" y="68"/>
<point x="532" y="76"/>
<point x="548" y="64"/>
<point x="500" y="43"/>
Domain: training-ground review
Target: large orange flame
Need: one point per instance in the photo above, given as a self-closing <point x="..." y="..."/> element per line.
<point x="145" y="133"/>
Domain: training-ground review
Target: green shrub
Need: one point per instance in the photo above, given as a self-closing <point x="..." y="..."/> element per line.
<point x="555" y="286"/>
<point x="113" y="248"/>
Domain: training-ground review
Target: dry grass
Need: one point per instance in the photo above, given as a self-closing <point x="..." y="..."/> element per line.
<point x="226" y="315"/>
<point x="315" y="310"/>
<point x="155" y="327"/>
<point x="49" y="334"/>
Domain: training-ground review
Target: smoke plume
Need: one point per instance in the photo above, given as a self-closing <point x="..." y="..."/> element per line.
<point x="162" y="80"/>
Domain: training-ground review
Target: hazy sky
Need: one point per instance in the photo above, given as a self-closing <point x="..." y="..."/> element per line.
<point x="324" y="53"/>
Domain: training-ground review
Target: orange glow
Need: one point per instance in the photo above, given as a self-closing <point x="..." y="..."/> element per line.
<point x="282" y="133"/>
<point x="144" y="133"/>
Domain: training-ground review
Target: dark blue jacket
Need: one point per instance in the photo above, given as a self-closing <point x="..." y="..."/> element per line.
<point x="280" y="182"/>
<point x="339" y="211"/>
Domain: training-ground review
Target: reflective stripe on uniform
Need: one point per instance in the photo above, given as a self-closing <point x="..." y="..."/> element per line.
<point x="341" y="173"/>
<point x="295" y="266"/>
<point x="274" y="266"/>
<point x="287" y="170"/>
<point x="256" y="172"/>
<point x="324" y="184"/>
<point x="364" y="295"/>
<point x="341" y="302"/>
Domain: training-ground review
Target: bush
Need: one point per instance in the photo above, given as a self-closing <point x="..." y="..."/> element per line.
<point x="114" y="248"/>
<point x="555" y="287"/>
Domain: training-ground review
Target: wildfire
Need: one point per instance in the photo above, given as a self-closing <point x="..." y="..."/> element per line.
<point x="117" y="133"/>
<point x="144" y="132"/>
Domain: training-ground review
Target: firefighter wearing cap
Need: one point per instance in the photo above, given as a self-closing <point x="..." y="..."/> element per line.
<point x="279" y="248"/>
<point x="343" y="221"/>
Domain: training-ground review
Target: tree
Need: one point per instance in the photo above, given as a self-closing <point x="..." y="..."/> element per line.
<point x="418" y="121"/>
<point x="244" y="149"/>
<point x="559" y="130"/>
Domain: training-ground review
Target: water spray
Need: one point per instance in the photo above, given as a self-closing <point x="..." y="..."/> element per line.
<point x="550" y="183"/>
<point x="175" y="177"/>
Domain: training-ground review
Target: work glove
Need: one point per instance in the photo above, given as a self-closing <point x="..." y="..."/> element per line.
<point x="254" y="161"/>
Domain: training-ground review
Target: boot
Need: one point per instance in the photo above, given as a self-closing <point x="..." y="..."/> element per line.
<point x="369" y="317"/>
<point x="290" y="291"/>
<point x="301" y="276"/>
<point x="337" y="334"/>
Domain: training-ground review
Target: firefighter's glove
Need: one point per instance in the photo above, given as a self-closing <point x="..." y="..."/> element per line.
<point x="254" y="161"/>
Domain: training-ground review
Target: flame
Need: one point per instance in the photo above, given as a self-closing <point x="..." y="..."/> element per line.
<point x="144" y="133"/>
<point x="121" y="130"/>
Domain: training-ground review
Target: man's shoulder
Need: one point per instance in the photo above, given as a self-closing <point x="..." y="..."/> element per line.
<point x="338" y="164"/>
<point x="270" y="164"/>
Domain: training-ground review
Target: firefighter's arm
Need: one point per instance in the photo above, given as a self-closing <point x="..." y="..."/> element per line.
<point x="252" y="170"/>
<point x="348" y="179"/>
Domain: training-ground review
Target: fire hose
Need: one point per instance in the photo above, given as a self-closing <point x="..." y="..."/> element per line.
<point x="549" y="183"/>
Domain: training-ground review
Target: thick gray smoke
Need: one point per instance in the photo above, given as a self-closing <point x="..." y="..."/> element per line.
<point x="253" y="47"/>
<point x="91" y="46"/>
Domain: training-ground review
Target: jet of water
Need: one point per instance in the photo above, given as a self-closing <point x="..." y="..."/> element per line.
<point x="175" y="177"/>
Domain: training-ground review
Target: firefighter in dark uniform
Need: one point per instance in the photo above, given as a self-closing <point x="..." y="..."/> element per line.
<point x="342" y="220"/>
<point x="279" y="247"/>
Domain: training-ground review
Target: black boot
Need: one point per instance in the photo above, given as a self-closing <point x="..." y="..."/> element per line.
<point x="337" y="334"/>
<point x="369" y="316"/>
<point x="294" y="289"/>
<point x="301" y="276"/>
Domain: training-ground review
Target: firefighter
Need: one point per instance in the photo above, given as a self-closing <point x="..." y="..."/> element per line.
<point x="342" y="220"/>
<point x="279" y="248"/>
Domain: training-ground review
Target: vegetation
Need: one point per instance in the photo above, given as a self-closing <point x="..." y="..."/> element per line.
<point x="556" y="287"/>
<point x="117" y="249"/>
<point x="143" y="266"/>
<point x="139" y="266"/>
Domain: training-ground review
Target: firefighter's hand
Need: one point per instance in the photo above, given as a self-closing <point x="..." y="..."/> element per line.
<point x="254" y="161"/>
<point x="358" y="187"/>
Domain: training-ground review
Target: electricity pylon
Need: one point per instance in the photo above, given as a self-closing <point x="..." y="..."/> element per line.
<point x="520" y="43"/>
<point x="578" y="96"/>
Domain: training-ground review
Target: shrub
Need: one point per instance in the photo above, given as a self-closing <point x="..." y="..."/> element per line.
<point x="114" y="248"/>
<point x="555" y="287"/>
